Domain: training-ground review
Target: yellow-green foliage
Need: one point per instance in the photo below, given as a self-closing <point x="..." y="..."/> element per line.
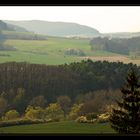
<point x="54" y="112"/>
<point x="35" y="113"/>
<point x="11" y="115"/>
<point x="102" y="118"/>
<point x="81" y="119"/>
<point x="75" y="111"/>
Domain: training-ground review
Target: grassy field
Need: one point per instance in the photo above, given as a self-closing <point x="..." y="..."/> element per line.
<point x="51" y="51"/>
<point x="60" y="127"/>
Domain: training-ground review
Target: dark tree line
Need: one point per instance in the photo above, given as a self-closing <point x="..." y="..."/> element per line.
<point x="116" y="45"/>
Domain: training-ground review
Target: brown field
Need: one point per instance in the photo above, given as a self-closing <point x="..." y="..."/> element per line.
<point x="120" y="58"/>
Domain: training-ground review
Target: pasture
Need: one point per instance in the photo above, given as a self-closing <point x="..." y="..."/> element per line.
<point x="52" y="52"/>
<point x="65" y="127"/>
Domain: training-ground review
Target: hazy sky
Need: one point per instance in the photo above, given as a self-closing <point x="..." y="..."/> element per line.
<point x="103" y="18"/>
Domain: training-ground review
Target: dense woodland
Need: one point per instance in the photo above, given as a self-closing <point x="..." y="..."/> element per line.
<point x="93" y="83"/>
<point x="116" y="45"/>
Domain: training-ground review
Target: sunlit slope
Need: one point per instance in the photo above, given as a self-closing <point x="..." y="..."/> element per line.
<point x="50" y="51"/>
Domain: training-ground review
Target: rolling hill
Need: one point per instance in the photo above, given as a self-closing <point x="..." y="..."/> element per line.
<point x="19" y="45"/>
<point x="60" y="29"/>
<point x="10" y="27"/>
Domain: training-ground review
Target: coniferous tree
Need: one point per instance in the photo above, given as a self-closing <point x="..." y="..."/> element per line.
<point x="125" y="118"/>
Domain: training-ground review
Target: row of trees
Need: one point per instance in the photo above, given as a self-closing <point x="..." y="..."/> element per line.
<point x="24" y="84"/>
<point x="124" y="116"/>
<point x="116" y="45"/>
<point x="91" y="102"/>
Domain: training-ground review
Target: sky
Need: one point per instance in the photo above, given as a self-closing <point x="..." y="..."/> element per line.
<point x="105" y="19"/>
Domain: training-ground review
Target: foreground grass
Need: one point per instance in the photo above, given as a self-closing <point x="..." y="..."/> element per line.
<point x="60" y="127"/>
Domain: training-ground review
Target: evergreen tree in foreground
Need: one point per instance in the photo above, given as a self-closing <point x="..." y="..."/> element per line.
<point x="125" y="118"/>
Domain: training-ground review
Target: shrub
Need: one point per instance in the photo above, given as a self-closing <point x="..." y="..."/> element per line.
<point x="81" y="119"/>
<point x="54" y="112"/>
<point x="22" y="121"/>
<point x="75" y="111"/>
<point x="91" y="116"/>
<point x="35" y="113"/>
<point x="77" y="52"/>
<point x="103" y="118"/>
<point x="11" y="114"/>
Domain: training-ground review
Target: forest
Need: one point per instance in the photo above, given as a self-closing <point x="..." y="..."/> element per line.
<point x="96" y="84"/>
<point x="117" y="45"/>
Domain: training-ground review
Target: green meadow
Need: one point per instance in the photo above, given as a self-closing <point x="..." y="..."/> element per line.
<point x="69" y="127"/>
<point x="50" y="51"/>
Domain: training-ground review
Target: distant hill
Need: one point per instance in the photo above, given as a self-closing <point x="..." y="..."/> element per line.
<point x="16" y="28"/>
<point x="4" y="26"/>
<point x="9" y="27"/>
<point x="9" y="31"/>
<point x="60" y="29"/>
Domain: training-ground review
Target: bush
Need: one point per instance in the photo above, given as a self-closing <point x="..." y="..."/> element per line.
<point x="35" y="113"/>
<point x="81" y="119"/>
<point x="11" y="115"/>
<point x="103" y="118"/>
<point x="91" y="116"/>
<point x="77" y="52"/>
<point x="75" y="111"/>
<point x="20" y="122"/>
<point x="54" y="112"/>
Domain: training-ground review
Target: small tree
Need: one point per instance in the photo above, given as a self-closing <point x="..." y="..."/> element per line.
<point x="35" y="113"/>
<point x="38" y="101"/>
<point x="65" y="103"/>
<point x="19" y="101"/>
<point x="54" y="112"/>
<point x="75" y="111"/>
<point x="11" y="114"/>
<point x="125" y="118"/>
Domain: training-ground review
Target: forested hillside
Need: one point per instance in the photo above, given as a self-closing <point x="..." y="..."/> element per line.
<point x="21" y="82"/>
<point x="117" y="45"/>
<point x="60" y="29"/>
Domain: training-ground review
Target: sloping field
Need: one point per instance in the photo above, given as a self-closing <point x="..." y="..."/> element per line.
<point x="52" y="51"/>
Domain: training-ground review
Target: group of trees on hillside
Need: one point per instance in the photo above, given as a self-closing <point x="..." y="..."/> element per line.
<point x="77" y="52"/>
<point x="53" y="81"/>
<point x="24" y="84"/>
<point x="116" y="45"/>
<point x="69" y="91"/>
<point x="93" y="84"/>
